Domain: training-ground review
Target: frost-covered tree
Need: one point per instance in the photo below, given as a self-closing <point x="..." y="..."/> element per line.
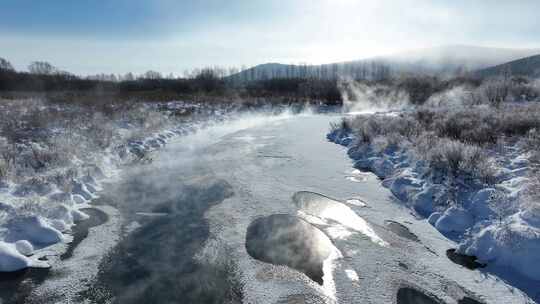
<point x="128" y="77"/>
<point x="5" y="65"/>
<point x="152" y="75"/>
<point x="42" y="68"/>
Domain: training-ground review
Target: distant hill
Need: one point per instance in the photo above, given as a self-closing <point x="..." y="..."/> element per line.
<point x="529" y="66"/>
<point x="458" y="58"/>
<point x="443" y="61"/>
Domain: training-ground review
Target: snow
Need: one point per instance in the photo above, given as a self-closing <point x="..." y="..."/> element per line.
<point x="337" y="232"/>
<point x="24" y="247"/>
<point x="404" y="186"/>
<point x="78" y="215"/>
<point x="38" y="215"/>
<point x="454" y="219"/>
<point x="35" y="215"/>
<point x="513" y="243"/>
<point x="351" y="274"/>
<point x="480" y="204"/>
<point x="34" y="229"/>
<point x="424" y="201"/>
<point x="329" y="284"/>
<point x="473" y="216"/>
<point x="13" y="260"/>
<point x="434" y="217"/>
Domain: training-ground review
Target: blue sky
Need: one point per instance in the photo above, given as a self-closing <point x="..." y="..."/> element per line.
<point x="117" y="36"/>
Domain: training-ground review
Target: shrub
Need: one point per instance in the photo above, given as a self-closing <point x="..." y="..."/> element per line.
<point x="459" y="159"/>
<point x="37" y="136"/>
<point x="496" y="90"/>
<point x="419" y="89"/>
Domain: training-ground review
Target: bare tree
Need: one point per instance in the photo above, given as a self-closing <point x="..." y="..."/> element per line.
<point x="232" y="71"/>
<point x="152" y="75"/>
<point x="129" y="77"/>
<point x="5" y="65"/>
<point x="42" y="68"/>
<point x="496" y="91"/>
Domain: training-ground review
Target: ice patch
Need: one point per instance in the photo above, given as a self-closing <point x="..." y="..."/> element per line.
<point x="355" y="179"/>
<point x="246" y="138"/>
<point x="338" y="232"/>
<point x="328" y="209"/>
<point x="356" y="202"/>
<point x="351" y="274"/>
<point x="329" y="284"/>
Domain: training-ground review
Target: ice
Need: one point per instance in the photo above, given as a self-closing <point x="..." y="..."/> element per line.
<point x="351" y="274"/>
<point x="356" y="202"/>
<point x="328" y="209"/>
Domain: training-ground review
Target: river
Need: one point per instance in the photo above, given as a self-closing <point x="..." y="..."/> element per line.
<point x="265" y="210"/>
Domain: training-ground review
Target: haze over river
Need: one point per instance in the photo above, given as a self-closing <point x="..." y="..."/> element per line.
<point x="265" y="210"/>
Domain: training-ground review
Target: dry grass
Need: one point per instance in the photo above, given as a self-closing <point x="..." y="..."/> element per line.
<point x="38" y="137"/>
<point x="452" y="140"/>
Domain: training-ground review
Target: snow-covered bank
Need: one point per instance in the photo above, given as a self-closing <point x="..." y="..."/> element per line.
<point x="487" y="210"/>
<point x="42" y="199"/>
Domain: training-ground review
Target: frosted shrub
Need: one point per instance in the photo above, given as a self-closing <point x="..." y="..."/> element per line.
<point x="460" y="159"/>
<point x="381" y="143"/>
<point x="475" y="126"/>
<point x="37" y="135"/>
<point x="531" y="201"/>
<point x="424" y="143"/>
<point x="533" y="144"/>
<point x="3" y="170"/>
<point x="343" y="125"/>
<point x="496" y="90"/>
<point x="399" y="128"/>
<point x="48" y="157"/>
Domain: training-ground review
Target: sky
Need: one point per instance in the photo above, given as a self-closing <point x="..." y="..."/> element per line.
<point x="170" y="36"/>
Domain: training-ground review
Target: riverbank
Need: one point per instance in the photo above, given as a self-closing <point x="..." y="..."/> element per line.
<point x="55" y="159"/>
<point x="479" y="194"/>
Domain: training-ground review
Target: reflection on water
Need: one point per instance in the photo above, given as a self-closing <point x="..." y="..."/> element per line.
<point x="288" y="240"/>
<point x="464" y="260"/>
<point x="408" y="295"/>
<point x="401" y="230"/>
<point x="80" y="231"/>
<point x="156" y="263"/>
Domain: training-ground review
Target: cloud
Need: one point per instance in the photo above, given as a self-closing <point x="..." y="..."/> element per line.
<point x="169" y="36"/>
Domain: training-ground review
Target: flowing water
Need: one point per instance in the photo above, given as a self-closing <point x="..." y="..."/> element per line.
<point x="263" y="210"/>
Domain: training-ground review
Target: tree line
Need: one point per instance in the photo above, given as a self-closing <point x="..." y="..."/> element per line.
<point x="215" y="81"/>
